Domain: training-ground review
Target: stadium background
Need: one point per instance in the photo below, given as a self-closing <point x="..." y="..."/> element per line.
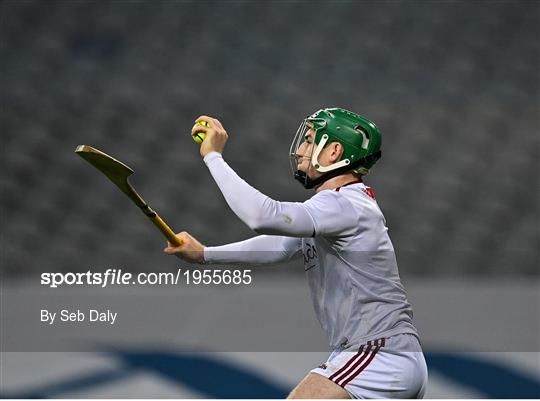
<point x="453" y="86"/>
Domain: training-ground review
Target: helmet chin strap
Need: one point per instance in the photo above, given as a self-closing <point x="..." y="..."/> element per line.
<point x="309" y="183"/>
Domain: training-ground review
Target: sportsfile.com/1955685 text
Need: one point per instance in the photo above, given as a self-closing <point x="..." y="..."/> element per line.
<point x="118" y="277"/>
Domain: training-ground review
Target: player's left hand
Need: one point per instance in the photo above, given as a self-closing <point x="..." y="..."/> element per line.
<point x="216" y="136"/>
<point x="190" y="249"/>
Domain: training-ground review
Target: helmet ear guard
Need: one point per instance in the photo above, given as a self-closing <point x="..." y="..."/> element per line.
<point x="315" y="158"/>
<point x="360" y="138"/>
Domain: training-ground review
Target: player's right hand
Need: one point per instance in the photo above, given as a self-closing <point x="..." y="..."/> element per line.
<point x="216" y="136"/>
<point x="190" y="249"/>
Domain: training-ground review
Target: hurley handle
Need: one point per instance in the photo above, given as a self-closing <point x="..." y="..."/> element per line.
<point x="166" y="230"/>
<point x="161" y="225"/>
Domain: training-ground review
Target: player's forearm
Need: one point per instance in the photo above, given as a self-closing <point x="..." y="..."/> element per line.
<point x="244" y="200"/>
<point x="261" y="213"/>
<point x="263" y="249"/>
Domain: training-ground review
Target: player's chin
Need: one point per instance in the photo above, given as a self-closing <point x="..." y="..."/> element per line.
<point x="303" y="167"/>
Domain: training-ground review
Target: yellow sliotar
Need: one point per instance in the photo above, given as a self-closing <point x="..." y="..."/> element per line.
<point x="199" y="136"/>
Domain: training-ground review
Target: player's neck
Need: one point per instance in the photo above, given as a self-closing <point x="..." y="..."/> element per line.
<point x="339" y="181"/>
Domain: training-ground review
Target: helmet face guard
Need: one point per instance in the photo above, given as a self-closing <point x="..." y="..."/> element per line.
<point x="299" y="138"/>
<point x="360" y="138"/>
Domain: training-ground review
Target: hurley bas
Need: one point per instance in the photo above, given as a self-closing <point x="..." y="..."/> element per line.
<point x="93" y="315"/>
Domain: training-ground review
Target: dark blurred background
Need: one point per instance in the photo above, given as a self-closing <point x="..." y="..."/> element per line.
<point x="454" y="87"/>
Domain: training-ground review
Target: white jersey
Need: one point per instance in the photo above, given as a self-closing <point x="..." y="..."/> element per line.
<point x="348" y="256"/>
<point x="352" y="270"/>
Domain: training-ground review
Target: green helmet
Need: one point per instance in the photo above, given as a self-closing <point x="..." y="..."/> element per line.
<point x="360" y="138"/>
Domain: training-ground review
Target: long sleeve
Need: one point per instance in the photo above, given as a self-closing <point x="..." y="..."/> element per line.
<point x="259" y="212"/>
<point x="262" y="249"/>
